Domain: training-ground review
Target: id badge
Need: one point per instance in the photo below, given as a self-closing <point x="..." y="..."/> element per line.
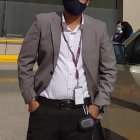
<point x="79" y="95"/>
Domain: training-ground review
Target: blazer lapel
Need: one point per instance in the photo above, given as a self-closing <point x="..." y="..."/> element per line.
<point x="56" y="29"/>
<point x="89" y="47"/>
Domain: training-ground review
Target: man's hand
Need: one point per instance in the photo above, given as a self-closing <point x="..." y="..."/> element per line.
<point x="94" y="111"/>
<point x="33" y="105"/>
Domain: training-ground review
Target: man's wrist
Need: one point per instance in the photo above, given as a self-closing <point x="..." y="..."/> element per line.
<point x="32" y="101"/>
<point x="101" y="108"/>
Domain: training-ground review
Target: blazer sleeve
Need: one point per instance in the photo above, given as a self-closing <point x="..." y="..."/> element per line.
<point x="26" y="60"/>
<point x="107" y="70"/>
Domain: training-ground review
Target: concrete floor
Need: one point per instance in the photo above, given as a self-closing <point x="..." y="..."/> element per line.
<point x="13" y="117"/>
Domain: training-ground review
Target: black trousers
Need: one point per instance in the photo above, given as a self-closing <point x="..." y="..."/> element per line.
<point x="50" y="123"/>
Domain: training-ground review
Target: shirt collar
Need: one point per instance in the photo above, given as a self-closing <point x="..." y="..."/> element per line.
<point x="65" y="25"/>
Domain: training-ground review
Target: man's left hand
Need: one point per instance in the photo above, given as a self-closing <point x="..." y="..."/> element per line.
<point x="94" y="111"/>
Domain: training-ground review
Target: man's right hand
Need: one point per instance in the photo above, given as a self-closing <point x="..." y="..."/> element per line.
<point x="33" y="106"/>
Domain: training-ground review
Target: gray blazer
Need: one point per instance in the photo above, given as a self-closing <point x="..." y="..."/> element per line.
<point x="42" y="44"/>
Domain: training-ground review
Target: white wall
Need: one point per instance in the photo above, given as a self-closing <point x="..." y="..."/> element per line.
<point x="131" y="13"/>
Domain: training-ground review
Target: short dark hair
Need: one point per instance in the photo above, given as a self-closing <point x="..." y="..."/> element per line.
<point x="118" y="22"/>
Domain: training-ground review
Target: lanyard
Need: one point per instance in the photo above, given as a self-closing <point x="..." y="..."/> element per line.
<point x="75" y="59"/>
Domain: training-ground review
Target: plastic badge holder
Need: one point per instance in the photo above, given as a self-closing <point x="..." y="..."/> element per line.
<point x="86" y="123"/>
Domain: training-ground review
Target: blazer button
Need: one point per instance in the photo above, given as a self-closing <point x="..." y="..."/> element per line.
<point x="51" y="72"/>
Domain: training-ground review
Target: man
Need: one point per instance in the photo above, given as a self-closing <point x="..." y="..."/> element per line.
<point x="124" y="31"/>
<point x="118" y="36"/>
<point x="76" y="70"/>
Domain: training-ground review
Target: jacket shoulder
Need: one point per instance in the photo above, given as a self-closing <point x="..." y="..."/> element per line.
<point x="47" y="17"/>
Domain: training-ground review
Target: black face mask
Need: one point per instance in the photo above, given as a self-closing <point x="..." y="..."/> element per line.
<point x="74" y="7"/>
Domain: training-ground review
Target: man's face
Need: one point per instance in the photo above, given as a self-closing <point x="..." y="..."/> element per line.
<point x="75" y="7"/>
<point x="119" y="25"/>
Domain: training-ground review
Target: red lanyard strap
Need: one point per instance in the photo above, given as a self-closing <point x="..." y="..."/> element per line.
<point x="75" y="59"/>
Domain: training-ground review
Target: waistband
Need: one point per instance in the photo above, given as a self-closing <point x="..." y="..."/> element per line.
<point x="62" y="104"/>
